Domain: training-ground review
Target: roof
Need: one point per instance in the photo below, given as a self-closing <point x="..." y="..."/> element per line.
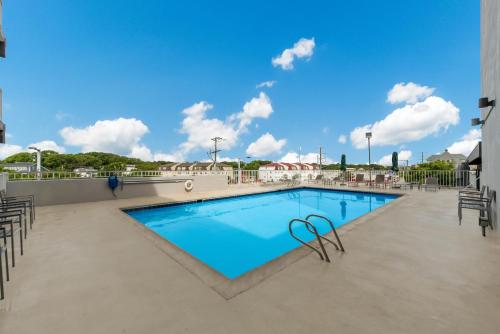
<point x="474" y="157"/>
<point x="446" y="156"/>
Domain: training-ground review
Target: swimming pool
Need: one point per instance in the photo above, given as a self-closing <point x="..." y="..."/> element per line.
<point x="238" y="234"/>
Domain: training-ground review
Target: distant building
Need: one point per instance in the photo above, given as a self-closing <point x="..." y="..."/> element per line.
<point x="193" y="166"/>
<point x="285" y="170"/>
<point x="129" y="168"/>
<point x="85" y="171"/>
<point x="289" y="166"/>
<point x="20" y="167"/>
<point x="455" y="159"/>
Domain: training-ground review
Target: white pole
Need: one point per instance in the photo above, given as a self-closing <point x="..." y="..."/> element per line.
<point x="239" y="171"/>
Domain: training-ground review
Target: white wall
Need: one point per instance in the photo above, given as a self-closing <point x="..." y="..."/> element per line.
<point x="51" y="192"/>
<point x="490" y="87"/>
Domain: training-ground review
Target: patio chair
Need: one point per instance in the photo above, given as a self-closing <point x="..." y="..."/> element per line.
<point x="22" y="207"/>
<point x="481" y="204"/>
<point x="380" y="180"/>
<point x="400" y="184"/>
<point x="11" y="219"/>
<point x="431" y="183"/>
<point x="360" y="178"/>
<point x="472" y="192"/>
<point x="28" y="199"/>
<point x="317" y="179"/>
<point x="3" y="252"/>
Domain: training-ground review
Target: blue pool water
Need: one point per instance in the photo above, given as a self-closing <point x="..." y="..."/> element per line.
<point x="236" y="235"/>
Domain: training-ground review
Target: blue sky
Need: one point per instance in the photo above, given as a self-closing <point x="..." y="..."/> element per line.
<point x="117" y="76"/>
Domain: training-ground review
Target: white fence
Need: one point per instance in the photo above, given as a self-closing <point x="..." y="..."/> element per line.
<point x="452" y="179"/>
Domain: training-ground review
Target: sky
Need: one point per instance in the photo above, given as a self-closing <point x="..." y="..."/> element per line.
<point x="157" y="79"/>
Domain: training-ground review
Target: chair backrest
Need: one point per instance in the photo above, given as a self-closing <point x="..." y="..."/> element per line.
<point x="319" y="177"/>
<point x="379" y="178"/>
<point x="360" y="177"/>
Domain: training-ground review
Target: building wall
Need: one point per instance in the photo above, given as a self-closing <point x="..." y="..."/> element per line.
<point x="490" y="87"/>
<point x="52" y="192"/>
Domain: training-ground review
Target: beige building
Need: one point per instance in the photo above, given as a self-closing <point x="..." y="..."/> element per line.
<point x="456" y="159"/>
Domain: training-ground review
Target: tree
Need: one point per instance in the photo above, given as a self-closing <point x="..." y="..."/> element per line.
<point x="394" y="162"/>
<point x="343" y="166"/>
<point x="255" y="164"/>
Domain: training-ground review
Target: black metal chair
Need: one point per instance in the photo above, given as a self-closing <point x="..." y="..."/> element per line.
<point x="11" y="219"/>
<point x="479" y="202"/>
<point x="3" y="252"/>
<point x="28" y="199"/>
<point x="22" y="207"/>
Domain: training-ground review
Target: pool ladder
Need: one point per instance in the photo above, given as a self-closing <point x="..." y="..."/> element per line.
<point x="311" y="228"/>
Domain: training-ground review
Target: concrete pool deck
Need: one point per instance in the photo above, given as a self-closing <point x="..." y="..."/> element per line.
<point x="410" y="268"/>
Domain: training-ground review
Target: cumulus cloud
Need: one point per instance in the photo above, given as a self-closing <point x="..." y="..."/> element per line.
<point x="342" y="139"/>
<point x="409" y="93"/>
<point x="258" y="107"/>
<point x="293" y="157"/>
<point x="409" y="123"/>
<point x="116" y="136"/>
<point x="467" y="143"/>
<point x="265" y="146"/>
<point x="386" y="160"/>
<point x="6" y="150"/>
<point x="48" y="145"/>
<point x="266" y="84"/>
<point x="304" y="48"/>
<point x="200" y="129"/>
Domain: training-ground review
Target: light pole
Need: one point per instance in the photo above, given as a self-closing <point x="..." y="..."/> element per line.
<point x="239" y="169"/>
<point x="38" y="161"/>
<point x="369" y="136"/>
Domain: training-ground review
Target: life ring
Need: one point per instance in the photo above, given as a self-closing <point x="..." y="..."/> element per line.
<point x="188" y="185"/>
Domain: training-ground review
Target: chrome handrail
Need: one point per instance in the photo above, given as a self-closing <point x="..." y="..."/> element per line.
<point x="312" y="229"/>
<point x="333" y="230"/>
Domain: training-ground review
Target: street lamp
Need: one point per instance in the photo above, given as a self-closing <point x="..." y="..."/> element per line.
<point x="369" y="136"/>
<point x="38" y="161"/>
<point x="239" y="168"/>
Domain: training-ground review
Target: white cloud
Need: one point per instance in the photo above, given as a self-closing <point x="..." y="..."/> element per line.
<point x="409" y="123"/>
<point x="386" y="160"/>
<point x="265" y="145"/>
<point x="293" y="157"/>
<point x="467" y="143"/>
<point x="303" y="48"/>
<point x="342" y="139"/>
<point x="116" y="136"/>
<point x="200" y="129"/>
<point x="48" y="145"/>
<point x="258" y="107"/>
<point x="325" y="130"/>
<point x="267" y="84"/>
<point x="7" y="150"/>
<point x="409" y="93"/>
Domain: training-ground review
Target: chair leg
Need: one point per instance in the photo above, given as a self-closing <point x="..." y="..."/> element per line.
<point x="12" y="244"/>
<point x="459" y="215"/>
<point x="1" y="278"/>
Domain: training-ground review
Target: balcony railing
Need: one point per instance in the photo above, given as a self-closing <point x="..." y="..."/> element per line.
<point x="446" y="179"/>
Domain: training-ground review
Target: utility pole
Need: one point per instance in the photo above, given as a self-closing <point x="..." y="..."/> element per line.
<point x="215" y="151"/>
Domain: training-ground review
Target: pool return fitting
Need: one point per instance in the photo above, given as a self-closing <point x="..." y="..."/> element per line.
<point x="312" y="229"/>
